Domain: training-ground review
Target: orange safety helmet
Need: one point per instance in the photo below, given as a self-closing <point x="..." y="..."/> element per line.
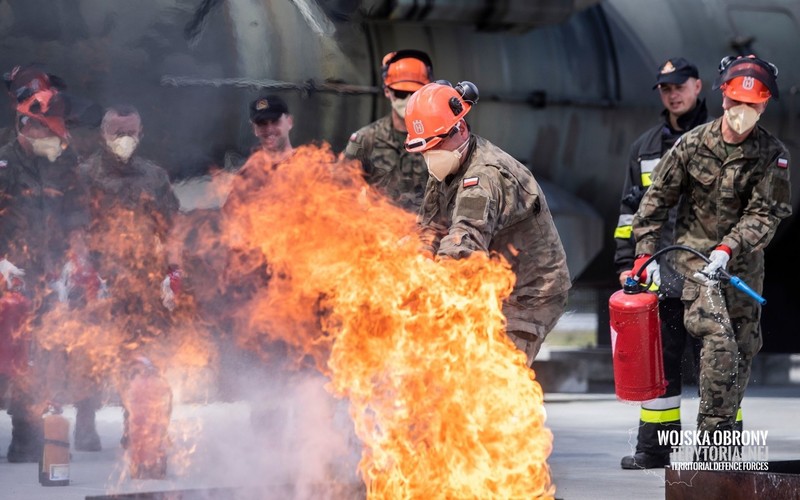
<point x="406" y="70"/>
<point x="434" y="110"/>
<point x="48" y="108"/>
<point x="747" y="79"/>
<point x="746" y="89"/>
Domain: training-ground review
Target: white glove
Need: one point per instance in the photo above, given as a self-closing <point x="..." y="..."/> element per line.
<point x="653" y="273"/>
<point x="167" y="295"/>
<point x="719" y="260"/>
<point x="9" y="272"/>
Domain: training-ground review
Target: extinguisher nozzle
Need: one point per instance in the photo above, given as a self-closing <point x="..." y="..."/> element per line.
<point x="631" y="285"/>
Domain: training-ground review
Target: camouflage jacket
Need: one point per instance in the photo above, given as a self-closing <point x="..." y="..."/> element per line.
<point x="737" y="200"/>
<point x="139" y="185"/>
<point x="493" y="204"/>
<point x="387" y="165"/>
<point x="41" y="204"/>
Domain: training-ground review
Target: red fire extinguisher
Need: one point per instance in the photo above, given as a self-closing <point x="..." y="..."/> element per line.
<point x="14" y="340"/>
<point x="54" y="463"/>
<point x="636" y="344"/>
<point x="148" y="407"/>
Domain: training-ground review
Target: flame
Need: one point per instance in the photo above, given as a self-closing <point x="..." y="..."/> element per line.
<point x="441" y="399"/>
<point x="104" y="313"/>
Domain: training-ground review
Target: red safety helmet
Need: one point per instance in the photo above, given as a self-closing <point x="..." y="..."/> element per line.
<point x="434" y="110"/>
<point x="46" y="107"/>
<point x="406" y="70"/>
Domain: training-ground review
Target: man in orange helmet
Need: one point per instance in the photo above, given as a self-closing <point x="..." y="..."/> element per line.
<point x="730" y="182"/>
<point x="480" y="199"/>
<point x="379" y="146"/>
<point x="42" y="205"/>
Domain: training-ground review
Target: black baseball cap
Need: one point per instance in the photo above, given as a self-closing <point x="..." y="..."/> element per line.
<point x="267" y="108"/>
<point x="676" y="70"/>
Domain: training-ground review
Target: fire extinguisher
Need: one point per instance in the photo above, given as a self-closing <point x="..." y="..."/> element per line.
<point x="636" y="332"/>
<point x="148" y="407"/>
<point x="54" y="462"/>
<point x="636" y="344"/>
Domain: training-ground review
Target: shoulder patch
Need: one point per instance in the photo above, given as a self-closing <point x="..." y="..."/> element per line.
<point x="470" y="181"/>
<point x="3" y="163"/>
<point x="782" y="163"/>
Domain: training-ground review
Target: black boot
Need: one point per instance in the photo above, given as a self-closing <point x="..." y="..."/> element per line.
<point x="650" y="454"/>
<point x="86" y="437"/>
<point x="27" y="440"/>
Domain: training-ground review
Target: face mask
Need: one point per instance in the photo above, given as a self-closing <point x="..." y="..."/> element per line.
<point x="442" y="163"/>
<point x="123" y="147"/>
<point x="741" y="118"/>
<point x="399" y="106"/>
<point x="48" y="147"/>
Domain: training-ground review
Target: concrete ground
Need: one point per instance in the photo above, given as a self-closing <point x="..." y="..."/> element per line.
<point x="591" y="433"/>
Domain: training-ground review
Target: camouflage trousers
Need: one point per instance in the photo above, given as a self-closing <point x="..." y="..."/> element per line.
<point x="727" y="322"/>
<point x="542" y="315"/>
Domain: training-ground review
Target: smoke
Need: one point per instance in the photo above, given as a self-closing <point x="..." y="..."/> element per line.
<point x="286" y="435"/>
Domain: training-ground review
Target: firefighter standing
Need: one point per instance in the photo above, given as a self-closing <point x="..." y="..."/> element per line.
<point x="480" y="199"/>
<point x="43" y="206"/>
<point x="400" y="175"/>
<point x="730" y="181"/>
<point x="679" y="87"/>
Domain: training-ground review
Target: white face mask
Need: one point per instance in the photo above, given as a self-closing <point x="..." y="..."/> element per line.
<point x="123" y="147"/>
<point x="442" y="163"/>
<point x="47" y="147"/>
<point x="741" y="118"/>
<point x="399" y="106"/>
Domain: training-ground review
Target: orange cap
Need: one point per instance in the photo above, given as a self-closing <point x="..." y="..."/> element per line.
<point x="431" y="113"/>
<point x="406" y="70"/>
<point x="746" y="89"/>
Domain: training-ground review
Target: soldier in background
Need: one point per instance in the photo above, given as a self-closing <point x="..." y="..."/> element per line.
<point x="480" y="199"/>
<point x="730" y="181"/>
<point x="400" y="175"/>
<point x="679" y="85"/>
<point x="132" y="193"/>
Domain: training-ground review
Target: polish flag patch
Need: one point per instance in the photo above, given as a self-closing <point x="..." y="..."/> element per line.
<point x="783" y="163"/>
<point x="470" y="181"/>
<point x="3" y="164"/>
<point x="354" y="136"/>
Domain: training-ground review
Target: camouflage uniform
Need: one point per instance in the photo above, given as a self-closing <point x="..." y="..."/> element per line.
<point x="493" y="204"/>
<point x="41" y="204"/>
<point x="135" y="196"/>
<point x="730" y="195"/>
<point x="401" y="175"/>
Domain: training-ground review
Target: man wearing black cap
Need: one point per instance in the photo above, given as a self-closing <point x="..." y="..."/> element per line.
<point x="679" y="86"/>
<point x="729" y="180"/>
<point x="271" y="125"/>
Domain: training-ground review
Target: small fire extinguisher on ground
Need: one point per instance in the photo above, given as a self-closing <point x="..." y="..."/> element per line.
<point x="148" y="408"/>
<point x="54" y="464"/>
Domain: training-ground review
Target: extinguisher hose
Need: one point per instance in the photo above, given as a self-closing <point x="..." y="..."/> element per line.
<point x="722" y="274"/>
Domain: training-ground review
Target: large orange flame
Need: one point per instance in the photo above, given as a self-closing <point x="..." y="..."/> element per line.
<point x="440" y="398"/>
